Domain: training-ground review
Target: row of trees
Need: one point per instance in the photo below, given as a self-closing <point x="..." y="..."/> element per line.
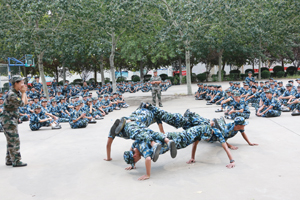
<point x="94" y="35"/>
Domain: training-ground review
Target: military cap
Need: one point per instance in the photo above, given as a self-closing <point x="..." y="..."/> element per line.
<point x="100" y="96"/>
<point x="266" y="81"/>
<point x="44" y="100"/>
<point x="253" y="86"/>
<point x="249" y="72"/>
<point x="255" y="81"/>
<point x="37" y="107"/>
<point x="268" y="91"/>
<point x="298" y="86"/>
<point x="280" y="82"/>
<point x="111" y="95"/>
<point x="53" y="100"/>
<point x="105" y="95"/>
<point x="15" y="79"/>
<point x="238" y="83"/>
<point x="65" y="84"/>
<point x="288" y="85"/>
<point x="265" y="86"/>
<point x="128" y="157"/>
<point x="154" y="71"/>
<point x="275" y="81"/>
<point x="240" y="121"/>
<point x="230" y="82"/>
<point x="200" y="83"/>
<point x="89" y="99"/>
<point x="261" y="82"/>
<point x="271" y="79"/>
<point x="228" y="91"/>
<point x="298" y="79"/>
<point x="36" y="77"/>
<point x="237" y="94"/>
<point x="291" y="81"/>
<point x="59" y="91"/>
<point x="1" y="98"/>
<point x="246" y="84"/>
<point x="76" y="104"/>
<point x="35" y="97"/>
<point x="271" y="83"/>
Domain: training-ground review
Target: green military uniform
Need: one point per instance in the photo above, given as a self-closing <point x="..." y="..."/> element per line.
<point x="9" y="119"/>
<point x="156" y="90"/>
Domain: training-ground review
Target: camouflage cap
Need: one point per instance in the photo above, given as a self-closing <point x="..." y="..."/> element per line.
<point x="37" y="107"/>
<point x="100" y="96"/>
<point x="298" y="86"/>
<point x="237" y="94"/>
<point x="128" y="157"/>
<point x="1" y="98"/>
<point x="291" y="81"/>
<point x="76" y="104"/>
<point x="15" y="79"/>
<point x="288" y="85"/>
<point x="59" y="91"/>
<point x="268" y="91"/>
<point x="35" y="97"/>
<point x="240" y="121"/>
<point x="94" y="99"/>
<point x="253" y="86"/>
<point x="298" y="79"/>
<point x="265" y="86"/>
<point x="53" y="100"/>
<point x="105" y="95"/>
<point x="229" y="91"/>
<point x="89" y="99"/>
<point x="44" y="100"/>
<point x="249" y="72"/>
<point x="154" y="71"/>
<point x="238" y="83"/>
<point x="280" y="82"/>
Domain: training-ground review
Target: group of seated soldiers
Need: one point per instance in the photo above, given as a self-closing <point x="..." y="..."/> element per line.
<point x="269" y="98"/>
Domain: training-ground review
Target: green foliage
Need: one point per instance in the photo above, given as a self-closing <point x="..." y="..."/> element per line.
<point x="121" y="79"/>
<point x="201" y="77"/>
<point x="234" y="74"/>
<point x="194" y="78"/>
<point x="280" y="74"/>
<point x="107" y="80"/>
<point x="277" y="69"/>
<point x="135" y="78"/>
<point x="163" y="76"/>
<point x="171" y="78"/>
<point x="147" y="77"/>
<point x="176" y="80"/>
<point x="291" y="70"/>
<point x="265" y="74"/>
<point x="60" y="83"/>
<point x="183" y="80"/>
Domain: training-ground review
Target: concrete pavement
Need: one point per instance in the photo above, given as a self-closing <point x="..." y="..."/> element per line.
<point x="68" y="164"/>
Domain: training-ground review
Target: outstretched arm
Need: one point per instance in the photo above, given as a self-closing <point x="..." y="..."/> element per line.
<point x="192" y="160"/>
<point x="161" y="128"/>
<point x="108" y="149"/>
<point x="225" y="147"/>
<point x="148" y="169"/>
<point x="247" y="140"/>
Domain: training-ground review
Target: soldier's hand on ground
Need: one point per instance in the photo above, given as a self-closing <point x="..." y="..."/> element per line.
<point x="130" y="168"/>
<point x="142" y="178"/>
<point x="233" y="147"/>
<point x="253" y="144"/>
<point x="191" y="161"/>
<point x="230" y="165"/>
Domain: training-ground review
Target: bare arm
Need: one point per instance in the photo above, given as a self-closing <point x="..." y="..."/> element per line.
<point x="247" y="140"/>
<point x="192" y="160"/>
<point x="148" y="169"/>
<point x="161" y="128"/>
<point x="225" y="147"/>
<point x="108" y="149"/>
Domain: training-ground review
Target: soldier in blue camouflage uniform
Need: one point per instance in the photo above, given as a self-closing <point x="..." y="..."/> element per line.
<point x="78" y="119"/>
<point x="226" y="104"/>
<point x="39" y="119"/>
<point x="240" y="108"/>
<point x="24" y="113"/>
<point x="106" y="104"/>
<point x="37" y="85"/>
<point x="253" y="97"/>
<point x="218" y="97"/>
<point x="9" y="119"/>
<point x="294" y="102"/>
<point x="249" y="78"/>
<point x="289" y="93"/>
<point x="188" y="120"/>
<point x="271" y="107"/>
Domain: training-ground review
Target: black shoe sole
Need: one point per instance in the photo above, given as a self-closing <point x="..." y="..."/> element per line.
<point x="156" y="153"/>
<point x="120" y="126"/>
<point x="113" y="127"/>
<point x="173" y="150"/>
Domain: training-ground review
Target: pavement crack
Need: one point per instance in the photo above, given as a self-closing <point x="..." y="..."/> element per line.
<point x="285" y="127"/>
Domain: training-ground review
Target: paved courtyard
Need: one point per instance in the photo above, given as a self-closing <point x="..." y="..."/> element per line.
<point x="68" y="164"/>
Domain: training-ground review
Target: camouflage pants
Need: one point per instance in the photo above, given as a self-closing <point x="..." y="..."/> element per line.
<point x="82" y="123"/>
<point x="239" y="114"/>
<point x="37" y="126"/>
<point x="271" y="113"/>
<point x="185" y="138"/>
<point x="136" y="132"/>
<point x="177" y="120"/>
<point x="13" y="142"/>
<point x="24" y="118"/>
<point x="156" y="92"/>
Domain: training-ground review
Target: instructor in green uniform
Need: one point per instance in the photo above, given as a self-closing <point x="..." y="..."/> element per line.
<point x="15" y="98"/>
<point x="156" y="90"/>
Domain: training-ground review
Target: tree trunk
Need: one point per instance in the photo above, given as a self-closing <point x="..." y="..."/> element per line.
<point x="95" y="74"/>
<point x="253" y="65"/>
<point x="56" y="72"/>
<point x="42" y="75"/>
<point x="259" y="65"/>
<point x="282" y="63"/>
<point x="102" y="71"/>
<point x="64" y="73"/>
<point x="141" y="71"/>
<point x="188" y="70"/>
<point x="220" y="66"/>
<point x="25" y="75"/>
<point x="111" y="61"/>
<point x="180" y="71"/>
